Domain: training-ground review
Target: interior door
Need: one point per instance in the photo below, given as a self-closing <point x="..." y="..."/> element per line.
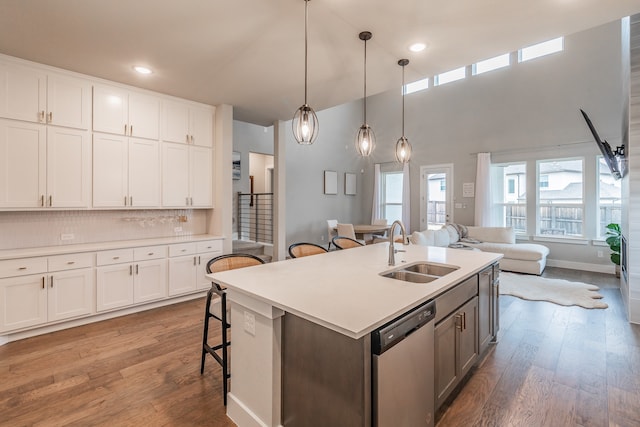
<point x="436" y="196"/>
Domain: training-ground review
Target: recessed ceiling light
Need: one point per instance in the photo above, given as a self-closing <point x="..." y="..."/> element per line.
<point x="142" y="70"/>
<point x="417" y="47"/>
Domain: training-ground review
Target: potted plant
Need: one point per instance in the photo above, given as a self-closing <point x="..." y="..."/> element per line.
<point x="613" y="231"/>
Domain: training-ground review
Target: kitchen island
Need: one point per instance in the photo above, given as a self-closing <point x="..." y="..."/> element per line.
<point x="339" y="297"/>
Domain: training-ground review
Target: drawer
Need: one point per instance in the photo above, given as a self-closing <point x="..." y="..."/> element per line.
<point x="23" y="266"/>
<point x="116" y="256"/>
<point x="182" y="249"/>
<point x="149" y="252"/>
<point x="455" y="297"/>
<point x="209" y="246"/>
<point x="70" y="261"/>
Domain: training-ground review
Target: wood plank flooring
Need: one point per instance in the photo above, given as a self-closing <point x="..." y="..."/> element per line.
<point x="556" y="366"/>
<point x="553" y="366"/>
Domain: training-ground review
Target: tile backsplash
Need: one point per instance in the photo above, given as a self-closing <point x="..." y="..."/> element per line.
<point x="20" y="230"/>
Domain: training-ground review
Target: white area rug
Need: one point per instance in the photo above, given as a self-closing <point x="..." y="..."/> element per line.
<point x="558" y="291"/>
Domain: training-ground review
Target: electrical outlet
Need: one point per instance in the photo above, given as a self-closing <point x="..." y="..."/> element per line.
<point x="600" y="254"/>
<point x="67" y="236"/>
<point x="177" y="229"/>
<point x="250" y="323"/>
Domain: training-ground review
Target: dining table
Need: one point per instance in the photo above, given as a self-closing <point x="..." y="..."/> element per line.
<point x="364" y="231"/>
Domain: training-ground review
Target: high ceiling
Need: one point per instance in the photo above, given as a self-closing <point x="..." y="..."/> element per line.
<point x="250" y="53"/>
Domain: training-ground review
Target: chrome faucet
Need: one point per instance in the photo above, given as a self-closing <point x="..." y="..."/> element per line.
<point x="392" y="250"/>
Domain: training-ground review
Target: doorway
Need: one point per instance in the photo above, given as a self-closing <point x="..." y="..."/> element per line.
<point x="436" y="196"/>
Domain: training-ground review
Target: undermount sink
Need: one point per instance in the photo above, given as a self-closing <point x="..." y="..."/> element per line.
<point x="421" y="272"/>
<point x="409" y="276"/>
<point x="430" y="268"/>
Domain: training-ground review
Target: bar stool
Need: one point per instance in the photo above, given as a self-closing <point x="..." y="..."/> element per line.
<point x="216" y="307"/>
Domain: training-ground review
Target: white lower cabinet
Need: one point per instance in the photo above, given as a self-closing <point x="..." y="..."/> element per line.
<point x="63" y="292"/>
<point x="127" y="277"/>
<point x="187" y="264"/>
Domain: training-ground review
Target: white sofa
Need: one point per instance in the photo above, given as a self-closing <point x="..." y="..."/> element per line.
<point x="527" y="258"/>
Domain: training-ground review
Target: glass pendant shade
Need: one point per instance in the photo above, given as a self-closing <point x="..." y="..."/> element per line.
<point x="403" y="150"/>
<point x="305" y="122"/>
<point x="305" y="125"/>
<point x="403" y="147"/>
<point x="366" y="141"/>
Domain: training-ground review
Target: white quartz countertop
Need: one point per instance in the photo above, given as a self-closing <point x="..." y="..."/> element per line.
<point x="102" y="246"/>
<point x="343" y="290"/>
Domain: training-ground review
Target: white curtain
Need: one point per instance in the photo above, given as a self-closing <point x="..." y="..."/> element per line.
<point x="483" y="191"/>
<point x="376" y="208"/>
<point x="406" y="198"/>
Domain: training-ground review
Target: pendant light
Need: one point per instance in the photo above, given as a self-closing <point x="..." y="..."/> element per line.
<point x="403" y="148"/>
<point x="366" y="140"/>
<point x="305" y="122"/>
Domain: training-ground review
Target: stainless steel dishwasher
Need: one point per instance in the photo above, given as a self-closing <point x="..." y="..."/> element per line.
<point x="403" y="363"/>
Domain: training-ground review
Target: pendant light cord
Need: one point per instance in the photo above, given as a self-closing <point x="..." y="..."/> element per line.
<point x="365" y="81"/>
<point x="306" y="18"/>
<point x="403" y="101"/>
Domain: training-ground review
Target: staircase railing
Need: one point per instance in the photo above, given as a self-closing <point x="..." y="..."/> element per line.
<point x="255" y="217"/>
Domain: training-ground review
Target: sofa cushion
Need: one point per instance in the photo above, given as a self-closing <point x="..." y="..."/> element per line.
<point x="492" y="234"/>
<point x="454" y="236"/>
<point x="431" y="238"/>
<point x="520" y="251"/>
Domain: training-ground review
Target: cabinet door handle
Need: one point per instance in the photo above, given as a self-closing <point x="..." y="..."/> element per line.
<point x="42" y="282"/>
<point x="41" y="116"/>
<point x="136" y="269"/>
<point x="192" y="141"/>
<point x="459" y="321"/>
<point x="51" y="281"/>
<point x="50" y="118"/>
<point x="42" y="200"/>
<point x="198" y="259"/>
<point x="464" y="321"/>
<point x="194" y="260"/>
<point x="130" y="270"/>
<point x="131" y="130"/>
<point x="130" y="200"/>
<point x="187" y="137"/>
<point x="50" y="200"/>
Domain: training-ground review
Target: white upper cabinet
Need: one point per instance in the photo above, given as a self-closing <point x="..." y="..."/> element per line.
<point x="43" y="166"/>
<point x="33" y="95"/>
<point x="122" y="112"/>
<point x="126" y="172"/>
<point x="187" y="176"/>
<point x="186" y="123"/>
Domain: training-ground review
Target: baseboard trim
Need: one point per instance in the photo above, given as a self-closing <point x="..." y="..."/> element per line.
<point x="596" y="268"/>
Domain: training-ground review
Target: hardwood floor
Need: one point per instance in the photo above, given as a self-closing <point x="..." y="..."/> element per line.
<point x="556" y="366"/>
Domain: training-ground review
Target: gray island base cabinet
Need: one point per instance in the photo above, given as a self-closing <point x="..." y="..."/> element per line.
<point x="302" y="351"/>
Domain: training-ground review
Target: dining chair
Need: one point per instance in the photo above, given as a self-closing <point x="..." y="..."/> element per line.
<point x="298" y="250"/>
<point x="216" y="307"/>
<point x="380" y="237"/>
<point x="331" y="228"/>
<point x="346" y="230"/>
<point x="342" y="242"/>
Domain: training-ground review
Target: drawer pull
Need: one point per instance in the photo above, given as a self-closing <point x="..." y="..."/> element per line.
<point x="116" y="257"/>
<point x="183" y="250"/>
<point x="150" y="253"/>
<point x="22" y="268"/>
<point x="71" y="262"/>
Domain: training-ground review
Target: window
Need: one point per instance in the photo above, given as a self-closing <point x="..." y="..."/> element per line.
<point x="450" y="76"/>
<point x="510" y="197"/>
<point x="391" y="197"/>
<point x="544" y="181"/>
<point x="609" y="195"/>
<point x="491" y="64"/>
<point x="561" y="205"/>
<point x="416" y="86"/>
<point x="541" y="49"/>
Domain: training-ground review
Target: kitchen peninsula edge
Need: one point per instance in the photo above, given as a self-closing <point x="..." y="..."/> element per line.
<point x="341" y="291"/>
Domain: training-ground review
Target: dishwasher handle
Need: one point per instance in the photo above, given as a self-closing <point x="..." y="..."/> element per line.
<point x="395" y="331"/>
